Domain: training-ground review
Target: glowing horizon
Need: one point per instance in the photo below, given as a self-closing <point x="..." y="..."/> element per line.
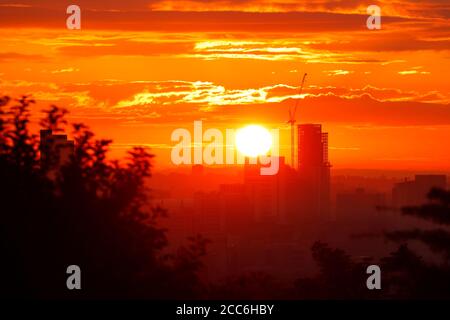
<point x="139" y="69"/>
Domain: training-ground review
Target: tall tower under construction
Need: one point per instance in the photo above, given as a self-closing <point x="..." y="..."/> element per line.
<point x="314" y="170"/>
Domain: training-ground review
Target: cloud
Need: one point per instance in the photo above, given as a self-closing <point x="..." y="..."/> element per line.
<point x="408" y="72"/>
<point x="65" y="70"/>
<point x="198" y="93"/>
<point x="206" y="21"/>
<point x="15" y="56"/>
<point x="398" y="41"/>
<point x="171" y="101"/>
<point x="435" y="8"/>
<point x="15" y="5"/>
<point x="338" y="72"/>
<point x="357" y="110"/>
<point x="269" y="50"/>
<point x="127" y="47"/>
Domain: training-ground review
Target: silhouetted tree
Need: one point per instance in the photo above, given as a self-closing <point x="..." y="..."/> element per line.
<point x="54" y="119"/>
<point x="18" y="138"/>
<point x="95" y="214"/>
<point x="3" y="102"/>
<point x="417" y="277"/>
<point x="339" y="276"/>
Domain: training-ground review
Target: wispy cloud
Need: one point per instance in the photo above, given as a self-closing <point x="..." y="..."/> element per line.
<point x="65" y="70"/>
<point x="338" y="72"/>
<point x="408" y="72"/>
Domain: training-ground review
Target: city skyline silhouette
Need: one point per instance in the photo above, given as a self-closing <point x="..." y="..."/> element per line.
<point x="253" y="150"/>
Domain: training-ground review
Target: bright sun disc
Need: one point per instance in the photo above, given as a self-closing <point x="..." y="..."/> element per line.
<point x="253" y="140"/>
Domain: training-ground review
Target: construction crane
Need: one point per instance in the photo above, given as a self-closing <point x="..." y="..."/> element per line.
<point x="292" y="112"/>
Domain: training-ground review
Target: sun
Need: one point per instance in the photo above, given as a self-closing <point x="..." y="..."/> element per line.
<point x="253" y="140"/>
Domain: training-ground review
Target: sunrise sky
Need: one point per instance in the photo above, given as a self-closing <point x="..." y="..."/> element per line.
<point x="138" y="69"/>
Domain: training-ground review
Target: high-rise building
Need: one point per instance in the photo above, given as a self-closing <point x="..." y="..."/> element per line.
<point x="270" y="195"/>
<point x="312" y="145"/>
<point x="235" y="208"/>
<point x="359" y="205"/>
<point x="314" y="170"/>
<point x="56" y="151"/>
<point x="208" y="218"/>
<point x="413" y="192"/>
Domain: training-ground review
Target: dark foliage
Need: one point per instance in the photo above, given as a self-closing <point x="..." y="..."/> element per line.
<point x="410" y="276"/>
<point x="93" y="213"/>
<point x="339" y="276"/>
<point x="437" y="210"/>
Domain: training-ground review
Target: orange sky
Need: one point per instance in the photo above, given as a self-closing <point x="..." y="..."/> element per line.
<point x="138" y="69"/>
